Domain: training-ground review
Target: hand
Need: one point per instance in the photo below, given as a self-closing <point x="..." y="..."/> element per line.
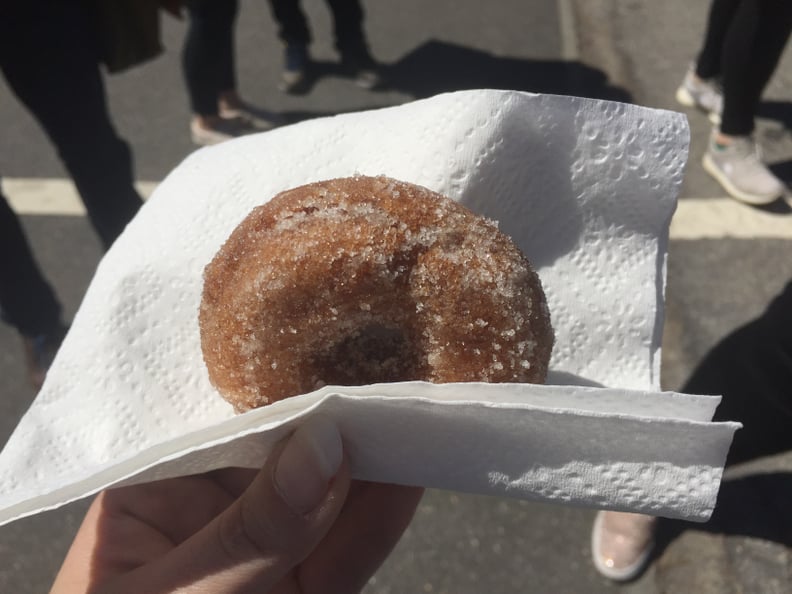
<point x="300" y="525"/>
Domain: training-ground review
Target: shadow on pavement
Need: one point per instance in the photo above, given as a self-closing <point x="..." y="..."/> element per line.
<point x="440" y="67"/>
<point x="783" y="170"/>
<point x="754" y="506"/>
<point x="780" y="111"/>
<point x="780" y="206"/>
<point x="752" y="368"/>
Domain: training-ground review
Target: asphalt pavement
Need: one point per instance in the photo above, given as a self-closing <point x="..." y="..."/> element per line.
<point x="726" y="261"/>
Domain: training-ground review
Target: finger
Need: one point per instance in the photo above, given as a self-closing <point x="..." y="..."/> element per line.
<point x="170" y="507"/>
<point x="374" y="517"/>
<point x="127" y="527"/>
<point x="233" y="481"/>
<point x="285" y="512"/>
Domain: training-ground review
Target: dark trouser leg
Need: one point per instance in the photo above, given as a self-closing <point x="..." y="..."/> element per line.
<point x="348" y="25"/>
<point x="208" y="53"/>
<point x="48" y="56"/>
<point x="292" y="25"/>
<point x="27" y="301"/>
<point x="751" y="53"/>
<point x="743" y="44"/>
<point x="721" y="17"/>
<point x="752" y="369"/>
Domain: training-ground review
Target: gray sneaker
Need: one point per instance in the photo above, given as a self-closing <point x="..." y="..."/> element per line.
<point x="704" y="94"/>
<point x="739" y="169"/>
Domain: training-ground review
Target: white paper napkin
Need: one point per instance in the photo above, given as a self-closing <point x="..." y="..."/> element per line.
<point x="586" y="188"/>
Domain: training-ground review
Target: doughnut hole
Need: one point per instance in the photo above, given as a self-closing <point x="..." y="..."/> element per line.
<point x="373" y="354"/>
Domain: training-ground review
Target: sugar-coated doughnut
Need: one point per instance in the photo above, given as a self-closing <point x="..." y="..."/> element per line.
<point x="368" y="279"/>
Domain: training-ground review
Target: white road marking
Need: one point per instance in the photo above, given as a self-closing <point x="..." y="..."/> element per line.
<point x="51" y="196"/>
<point x="695" y="218"/>
<point x="719" y="218"/>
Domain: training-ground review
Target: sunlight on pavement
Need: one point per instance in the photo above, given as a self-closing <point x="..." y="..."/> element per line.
<point x="695" y="218"/>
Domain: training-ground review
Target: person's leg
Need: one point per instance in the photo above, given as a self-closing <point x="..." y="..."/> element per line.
<point x="27" y="301"/>
<point x="49" y="59"/>
<point x="751" y="50"/>
<point x="721" y="16"/>
<point x="348" y="25"/>
<point x="350" y="41"/>
<point x="208" y="53"/>
<point x="294" y="32"/>
<point x="701" y="87"/>
<point x="292" y="25"/>
<point x="209" y="72"/>
<point x="775" y="27"/>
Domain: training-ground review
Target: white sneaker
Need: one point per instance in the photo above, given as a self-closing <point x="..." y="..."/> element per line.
<point x="260" y="119"/>
<point x="225" y="129"/>
<point x="739" y="169"/>
<point x="622" y="544"/>
<point x="704" y="94"/>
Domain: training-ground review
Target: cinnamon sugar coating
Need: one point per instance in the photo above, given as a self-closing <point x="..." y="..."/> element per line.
<point x="368" y="279"/>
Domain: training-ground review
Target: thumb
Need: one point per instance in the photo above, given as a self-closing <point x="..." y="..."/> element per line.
<point x="272" y="527"/>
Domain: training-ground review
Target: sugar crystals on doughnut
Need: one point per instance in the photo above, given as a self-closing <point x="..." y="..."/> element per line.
<point x="368" y="279"/>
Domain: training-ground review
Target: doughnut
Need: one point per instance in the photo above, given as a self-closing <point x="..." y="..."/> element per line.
<point x="362" y="280"/>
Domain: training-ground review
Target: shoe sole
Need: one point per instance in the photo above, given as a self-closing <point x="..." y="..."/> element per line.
<point x="617" y="575"/>
<point x="257" y="123"/>
<point x="201" y="140"/>
<point x="287" y="84"/>
<point x="368" y="85"/>
<point x="684" y="97"/>
<point x="297" y="82"/>
<point x="731" y="189"/>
